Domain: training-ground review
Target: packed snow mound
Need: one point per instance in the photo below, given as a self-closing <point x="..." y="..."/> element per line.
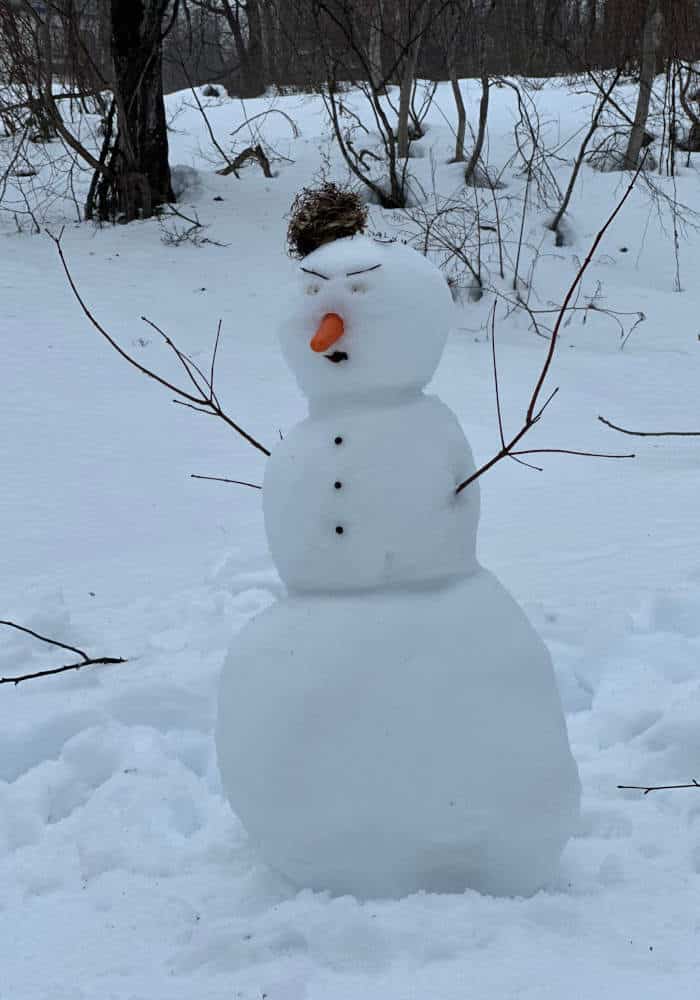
<point x="184" y="178"/>
<point x="401" y="740"/>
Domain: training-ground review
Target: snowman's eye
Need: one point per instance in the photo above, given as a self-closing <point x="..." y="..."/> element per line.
<point x="358" y="287"/>
<point x="312" y="289"/>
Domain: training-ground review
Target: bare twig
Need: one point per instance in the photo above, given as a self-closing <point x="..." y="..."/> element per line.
<point x="535" y="409"/>
<point x="205" y="399"/>
<point x="578" y="162"/>
<point x="495" y="376"/>
<point x="85" y="660"/>
<point x="219" y="479"/>
<point x="263" y="114"/>
<point x="219" y="148"/>
<point x="567" y="451"/>
<point x="659" y="788"/>
<point x="645" y="434"/>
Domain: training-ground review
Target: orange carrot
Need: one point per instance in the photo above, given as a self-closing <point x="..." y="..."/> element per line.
<point x="330" y="329"/>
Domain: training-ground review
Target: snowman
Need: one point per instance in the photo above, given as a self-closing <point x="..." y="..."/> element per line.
<point x="393" y="724"/>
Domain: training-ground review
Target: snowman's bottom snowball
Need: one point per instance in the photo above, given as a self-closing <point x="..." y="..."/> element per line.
<point x="381" y="743"/>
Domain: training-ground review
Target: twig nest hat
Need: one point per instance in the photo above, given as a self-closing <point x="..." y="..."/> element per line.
<point x="321" y="215"/>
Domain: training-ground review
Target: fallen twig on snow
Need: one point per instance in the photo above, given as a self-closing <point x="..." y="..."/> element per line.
<point x="250" y="153"/>
<point x="86" y="661"/>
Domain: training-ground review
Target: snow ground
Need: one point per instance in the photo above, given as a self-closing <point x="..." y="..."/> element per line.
<point x="123" y="873"/>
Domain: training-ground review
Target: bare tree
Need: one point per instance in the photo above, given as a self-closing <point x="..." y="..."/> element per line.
<point x="247" y="24"/>
<point x="412" y="18"/>
<point x="196" y="48"/>
<point x="37" y="105"/>
<point x="341" y="51"/>
<point x="469" y="23"/>
<point x="135" y="174"/>
<point x="471" y="168"/>
<point x="48" y="58"/>
<point x="452" y="35"/>
<point x="578" y="162"/>
<point x="375" y="44"/>
<point x="653" y="22"/>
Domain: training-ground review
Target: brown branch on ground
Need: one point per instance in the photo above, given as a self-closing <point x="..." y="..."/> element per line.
<point x="659" y="788"/>
<point x="648" y="434"/>
<point x="535" y="409"/>
<point x="85" y="660"/>
<point x="256" y="153"/>
<point x="204" y="399"/>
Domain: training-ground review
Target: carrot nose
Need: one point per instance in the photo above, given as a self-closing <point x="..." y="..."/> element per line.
<point x="330" y="329"/>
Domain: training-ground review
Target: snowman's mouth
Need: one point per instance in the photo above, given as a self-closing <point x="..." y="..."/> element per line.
<point x="337" y="356"/>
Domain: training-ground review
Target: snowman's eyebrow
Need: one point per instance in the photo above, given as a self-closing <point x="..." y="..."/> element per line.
<point x="365" y="270"/>
<point x="307" y="270"/>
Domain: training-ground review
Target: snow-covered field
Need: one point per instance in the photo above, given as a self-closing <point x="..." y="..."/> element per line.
<point x="123" y="873"/>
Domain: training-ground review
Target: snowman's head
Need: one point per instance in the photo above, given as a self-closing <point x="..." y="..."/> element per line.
<point x="365" y="317"/>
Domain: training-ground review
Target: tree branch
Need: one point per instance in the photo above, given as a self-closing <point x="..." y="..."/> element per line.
<point x="85" y="660"/>
<point x="646" y="434"/>
<point x="659" y="788"/>
<point x="533" y="414"/>
<point x="206" y="398"/>
<point x="219" y="479"/>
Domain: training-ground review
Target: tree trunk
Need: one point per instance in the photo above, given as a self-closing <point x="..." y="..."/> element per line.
<point x="461" y="115"/>
<point x="592" y="18"/>
<point x="104" y="35"/>
<point x="404" y="109"/>
<point x="280" y="64"/>
<point x="374" y="47"/>
<point x="253" y="80"/>
<point x="44" y="131"/>
<point x="556" y="221"/>
<point x="248" y="80"/>
<point x="265" y="43"/>
<point x="410" y="38"/>
<point x="137" y="175"/>
<point x="452" y="24"/>
<point x="481" y="134"/>
<point x="650" y="42"/>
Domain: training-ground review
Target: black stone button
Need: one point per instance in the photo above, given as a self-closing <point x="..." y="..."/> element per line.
<point x="338" y="440"/>
<point x="338" y="485"/>
<point x="339" y="530"/>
